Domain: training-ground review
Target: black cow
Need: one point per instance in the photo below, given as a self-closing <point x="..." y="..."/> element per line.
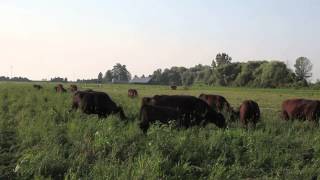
<point x="149" y="114"/>
<point x="194" y="110"/>
<point x="92" y="102"/>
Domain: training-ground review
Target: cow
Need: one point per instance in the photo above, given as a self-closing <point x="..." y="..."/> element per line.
<point x="219" y="103"/>
<point x="60" y="89"/>
<point x="73" y="88"/>
<point x="93" y="102"/>
<point x="193" y="110"/>
<point x="149" y="114"/>
<point x="249" y="112"/>
<point x="132" y="93"/>
<point x="173" y="87"/>
<point x="302" y="109"/>
<point x="37" y="86"/>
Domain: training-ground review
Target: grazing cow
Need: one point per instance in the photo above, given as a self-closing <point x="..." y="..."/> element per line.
<point x="249" y="112"/>
<point x="92" y="102"/>
<point x="60" y="89"/>
<point x="36" y="86"/>
<point x="173" y="87"/>
<point x="193" y="110"/>
<point x="73" y="88"/>
<point x="146" y="101"/>
<point x="132" y="93"/>
<point x="302" y="109"/>
<point x="149" y="114"/>
<point x="219" y="103"/>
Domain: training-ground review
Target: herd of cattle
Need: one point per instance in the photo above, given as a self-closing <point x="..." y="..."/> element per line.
<point x="186" y="111"/>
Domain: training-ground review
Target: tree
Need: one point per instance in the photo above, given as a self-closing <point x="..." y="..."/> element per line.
<point x="213" y="64"/>
<point x="187" y="78"/>
<point x="303" y="68"/>
<point x="221" y="59"/>
<point x="273" y="74"/>
<point x="108" y="76"/>
<point x="100" y="78"/>
<point x="120" y="72"/>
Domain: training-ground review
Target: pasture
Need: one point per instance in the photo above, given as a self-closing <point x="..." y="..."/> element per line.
<point x="40" y="138"/>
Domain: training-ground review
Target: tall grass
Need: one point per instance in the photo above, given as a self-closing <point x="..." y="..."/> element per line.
<point x="41" y="139"/>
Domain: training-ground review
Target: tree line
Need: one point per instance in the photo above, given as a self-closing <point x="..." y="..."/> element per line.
<point x="224" y="72"/>
<point x="17" y="79"/>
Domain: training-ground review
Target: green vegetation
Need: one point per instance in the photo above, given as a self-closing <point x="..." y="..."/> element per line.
<point x="39" y="138"/>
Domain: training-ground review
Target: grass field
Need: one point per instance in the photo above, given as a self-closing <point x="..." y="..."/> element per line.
<point x="39" y="139"/>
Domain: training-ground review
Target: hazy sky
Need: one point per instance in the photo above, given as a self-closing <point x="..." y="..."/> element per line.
<point x="78" y="38"/>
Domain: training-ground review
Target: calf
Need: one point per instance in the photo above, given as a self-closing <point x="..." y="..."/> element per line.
<point x="302" y="109"/>
<point x="249" y="112"/>
<point x="73" y="88"/>
<point x="36" y="86"/>
<point x="60" y="89"/>
<point x="132" y="93"/>
<point x="173" y="87"/>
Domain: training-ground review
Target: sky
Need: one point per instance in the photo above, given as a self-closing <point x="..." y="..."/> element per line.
<point x="77" y="39"/>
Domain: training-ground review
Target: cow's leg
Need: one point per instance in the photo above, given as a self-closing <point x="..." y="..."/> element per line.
<point x="285" y="115"/>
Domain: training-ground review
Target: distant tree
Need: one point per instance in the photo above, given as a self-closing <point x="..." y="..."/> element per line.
<point x="157" y="76"/>
<point x="273" y="74"/>
<point x="303" y="68"/>
<point x="135" y="77"/>
<point x="213" y="64"/>
<point x="120" y="72"/>
<point x="108" y="76"/>
<point x="142" y="76"/>
<point x="187" y="78"/>
<point x="225" y="75"/>
<point x="100" y="78"/>
<point x="222" y="59"/>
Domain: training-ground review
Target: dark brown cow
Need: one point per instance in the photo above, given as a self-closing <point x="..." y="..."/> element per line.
<point x="73" y="88"/>
<point x="173" y="87"/>
<point x="92" y="102"/>
<point x="302" y="109"/>
<point x="220" y="104"/>
<point x="249" y="112"/>
<point x="217" y="102"/>
<point x="36" y="86"/>
<point x="60" y="89"/>
<point x="132" y="93"/>
<point x="194" y="110"/>
<point x="149" y="114"/>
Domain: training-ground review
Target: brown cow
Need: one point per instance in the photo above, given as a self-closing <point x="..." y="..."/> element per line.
<point x="219" y="103"/>
<point x="249" y="112"/>
<point x="60" y="89"/>
<point x="149" y="114"/>
<point x="73" y="88"/>
<point x="302" y="109"/>
<point x="92" y="102"/>
<point x="194" y="110"/>
<point x="132" y="93"/>
<point x="36" y="86"/>
<point x="173" y="87"/>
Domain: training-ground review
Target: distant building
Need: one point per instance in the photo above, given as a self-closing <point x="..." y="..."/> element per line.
<point x="116" y="81"/>
<point x="137" y="80"/>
